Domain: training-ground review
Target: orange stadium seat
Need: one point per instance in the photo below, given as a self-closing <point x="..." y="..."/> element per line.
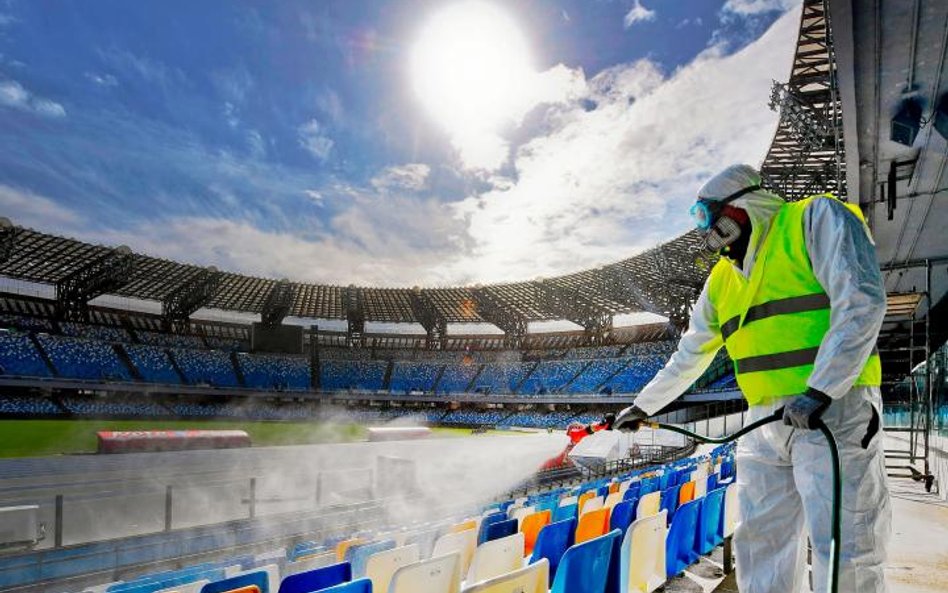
<point x="583" y="498"/>
<point x="686" y="493"/>
<point x="531" y="526"/>
<point x="343" y="547"/>
<point x="592" y="524"/>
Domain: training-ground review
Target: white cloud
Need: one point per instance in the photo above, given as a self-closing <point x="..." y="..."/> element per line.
<point x="12" y="94"/>
<point x="31" y="210"/>
<point x="313" y="139"/>
<point x="638" y="14"/>
<point x="751" y="7"/>
<point x="104" y="80"/>
<point x="410" y="176"/>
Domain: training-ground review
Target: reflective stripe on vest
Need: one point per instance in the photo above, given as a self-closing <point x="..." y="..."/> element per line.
<point x="774" y="335"/>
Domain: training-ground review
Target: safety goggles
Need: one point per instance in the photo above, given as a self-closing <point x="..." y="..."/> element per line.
<point x="706" y="211"/>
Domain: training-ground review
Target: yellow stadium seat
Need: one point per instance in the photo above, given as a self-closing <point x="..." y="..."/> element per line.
<point x="530" y="526"/>
<point x="612" y="500"/>
<point x="463" y="526"/>
<point x="343" y="547"/>
<point x="649" y="505"/>
<point x="463" y="543"/>
<point x="592" y="524"/>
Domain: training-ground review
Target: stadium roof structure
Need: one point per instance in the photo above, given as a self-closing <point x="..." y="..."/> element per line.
<point x="805" y="157"/>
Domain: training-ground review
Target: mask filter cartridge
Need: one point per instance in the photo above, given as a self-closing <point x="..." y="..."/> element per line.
<point x="724" y="232"/>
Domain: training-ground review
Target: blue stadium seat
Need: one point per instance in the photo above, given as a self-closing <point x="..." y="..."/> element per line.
<point x="356" y="586"/>
<point x="632" y="491"/>
<point x="709" y="521"/>
<point x="552" y="543"/>
<point x="623" y="514"/>
<point x="358" y="554"/>
<point x="258" y="578"/>
<point x="501" y="529"/>
<point x="316" y="579"/>
<point x="584" y="567"/>
<point x="570" y="511"/>
<point x="680" y="544"/>
<point x="712" y="482"/>
<point x="670" y="500"/>
<point x="487" y="522"/>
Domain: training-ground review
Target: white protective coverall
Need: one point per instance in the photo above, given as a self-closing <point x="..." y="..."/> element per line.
<point x="784" y="475"/>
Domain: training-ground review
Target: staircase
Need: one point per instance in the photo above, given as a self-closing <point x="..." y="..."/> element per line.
<point x="127" y="361"/>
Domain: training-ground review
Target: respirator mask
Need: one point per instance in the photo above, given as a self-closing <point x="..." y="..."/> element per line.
<point x="712" y="218"/>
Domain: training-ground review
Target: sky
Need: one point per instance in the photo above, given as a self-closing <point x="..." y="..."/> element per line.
<point x="403" y="143"/>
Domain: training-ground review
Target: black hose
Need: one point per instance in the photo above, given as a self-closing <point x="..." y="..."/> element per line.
<point x="836" y="527"/>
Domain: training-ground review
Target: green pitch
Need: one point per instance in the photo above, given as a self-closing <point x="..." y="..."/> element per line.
<point x="33" y="438"/>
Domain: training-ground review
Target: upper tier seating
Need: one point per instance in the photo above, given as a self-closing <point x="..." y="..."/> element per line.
<point x="352" y="374"/>
<point x="414" y="376"/>
<point x="18" y="356"/>
<point x="79" y="358"/>
<point x="457" y="377"/>
<point x="550" y="376"/>
<point x="106" y="333"/>
<point x="500" y="377"/>
<point x="270" y="371"/>
<point x="153" y="363"/>
<point x="206" y="367"/>
<point x="633" y="378"/>
<point x="596" y="374"/>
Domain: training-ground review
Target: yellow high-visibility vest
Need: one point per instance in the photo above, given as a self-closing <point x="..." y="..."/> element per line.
<point x="773" y="322"/>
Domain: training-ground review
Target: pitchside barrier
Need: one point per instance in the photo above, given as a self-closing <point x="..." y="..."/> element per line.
<point x="170" y="440"/>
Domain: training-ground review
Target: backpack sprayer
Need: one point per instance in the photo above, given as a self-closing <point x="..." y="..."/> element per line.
<point x="833" y="576"/>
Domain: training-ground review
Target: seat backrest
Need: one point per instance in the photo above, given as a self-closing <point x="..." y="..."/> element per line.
<point x="649" y="504"/>
<point x="701" y="486"/>
<point x="642" y="561"/>
<point x="563" y="513"/>
<point x="729" y="517"/>
<point x="680" y="543"/>
<point x="501" y="529"/>
<point x="317" y="578"/>
<point x="463" y="526"/>
<point x="622" y="515"/>
<point x="359" y="554"/>
<point x="584" y="498"/>
<point x="487" y="521"/>
<point x="530" y="527"/>
<point x="686" y="492"/>
<point x="356" y="586"/>
<point x="342" y="548"/>
<point x="533" y="578"/>
<point x="585" y="566"/>
<point x="613" y="487"/>
<point x="496" y="557"/>
<point x="522" y="512"/>
<point x="612" y="500"/>
<point x="568" y="500"/>
<point x="552" y="543"/>
<point x="593" y="504"/>
<point x="256" y="578"/>
<point x="592" y="524"/>
<point x="632" y="491"/>
<point x="380" y="566"/>
<point x="440" y="574"/>
<point x="669" y="501"/>
<point x="307" y="563"/>
<point x="709" y="519"/>
<point x="712" y="482"/>
<point x="464" y="543"/>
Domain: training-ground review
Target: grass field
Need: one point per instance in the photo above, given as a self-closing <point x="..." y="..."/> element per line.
<point x="31" y="438"/>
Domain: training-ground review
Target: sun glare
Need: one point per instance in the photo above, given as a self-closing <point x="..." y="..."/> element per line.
<point x="471" y="68"/>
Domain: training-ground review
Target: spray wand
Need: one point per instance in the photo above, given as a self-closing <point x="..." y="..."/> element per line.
<point x="833" y="576"/>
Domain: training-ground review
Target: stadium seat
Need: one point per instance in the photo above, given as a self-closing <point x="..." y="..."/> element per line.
<point x="380" y="566"/>
<point x="709" y="520"/>
<point x="583" y="498"/>
<point x="436" y="575"/>
<point x="501" y="529"/>
<point x="562" y="513"/>
<point x="308" y="563"/>
<point x="463" y="526"/>
<point x="642" y="560"/>
<point x="584" y="567"/>
<point x="552" y="543"/>
<point x="612" y="500"/>
<point x="342" y="548"/>
<point x="359" y="554"/>
<point x="496" y="557"/>
<point x="258" y="578"/>
<point x="669" y="501"/>
<point x="701" y="485"/>
<point x="649" y="504"/>
<point x="533" y="578"/>
<point x="680" y="544"/>
<point x="464" y="543"/>
<point x="530" y="527"/>
<point x="521" y="512"/>
<point x="686" y="492"/>
<point x="568" y="500"/>
<point x="632" y="491"/>
<point x="622" y="515"/>
<point x="487" y="521"/>
<point x="712" y="482"/>
<point x="614" y="488"/>
<point x="591" y="525"/>
<point x="593" y="504"/>
<point x="356" y="586"/>
<point x="316" y="579"/>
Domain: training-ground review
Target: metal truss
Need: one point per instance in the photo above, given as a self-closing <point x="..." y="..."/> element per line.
<point x="807" y="153"/>
<point x="495" y="311"/>
<point x="196" y="292"/>
<point x="279" y="303"/>
<point x="435" y="324"/>
<point x="566" y="304"/>
<point x="101" y="276"/>
<point x="355" y="315"/>
<point x="8" y="234"/>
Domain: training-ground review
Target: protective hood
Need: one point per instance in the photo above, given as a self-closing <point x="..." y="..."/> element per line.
<point x="760" y="205"/>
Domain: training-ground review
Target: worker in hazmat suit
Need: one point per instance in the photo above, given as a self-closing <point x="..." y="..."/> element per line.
<point x="797" y="298"/>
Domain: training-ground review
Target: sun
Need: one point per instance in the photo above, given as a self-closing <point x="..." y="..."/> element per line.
<point x="470" y="67"/>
